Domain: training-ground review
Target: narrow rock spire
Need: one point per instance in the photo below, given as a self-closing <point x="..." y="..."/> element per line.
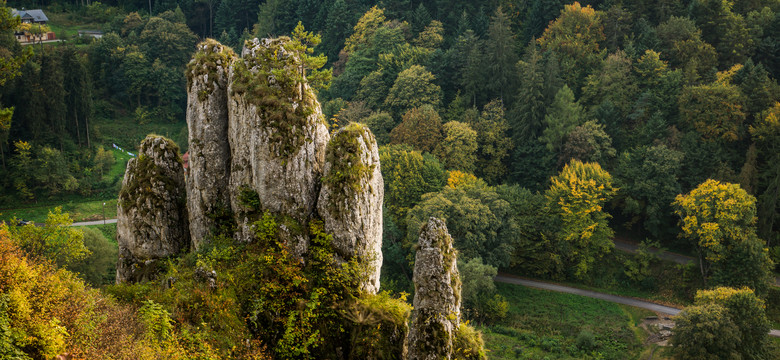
<point x="207" y="120"/>
<point x="350" y="202"/>
<point x="152" y="221"/>
<point x="436" y="314"/>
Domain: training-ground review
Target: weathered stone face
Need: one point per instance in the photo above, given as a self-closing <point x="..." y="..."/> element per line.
<point x="436" y="314"/>
<point x="277" y="135"/>
<point x="255" y="130"/>
<point x="207" y="121"/>
<point x="350" y="202"/>
<point x="152" y="220"/>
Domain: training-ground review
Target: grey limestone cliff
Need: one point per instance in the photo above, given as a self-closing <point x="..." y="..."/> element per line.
<point x="207" y="121"/>
<point x="277" y="134"/>
<point x="350" y="202"/>
<point x="436" y="314"/>
<point x="152" y="221"/>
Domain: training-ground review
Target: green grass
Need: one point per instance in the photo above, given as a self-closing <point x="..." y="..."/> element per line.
<point x="128" y="133"/>
<point x="544" y="324"/>
<point x="120" y="163"/>
<point x="668" y="283"/>
<point x="64" y="24"/>
<point x="78" y="210"/>
<point x="108" y="230"/>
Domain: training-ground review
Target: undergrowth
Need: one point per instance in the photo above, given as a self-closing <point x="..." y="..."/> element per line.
<point x="231" y="293"/>
<point x="543" y="324"/>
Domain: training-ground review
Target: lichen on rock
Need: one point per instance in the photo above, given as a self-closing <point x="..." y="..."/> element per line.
<point x="350" y="201"/>
<point x="152" y="220"/>
<point x="436" y="314"/>
<point x="207" y="121"/>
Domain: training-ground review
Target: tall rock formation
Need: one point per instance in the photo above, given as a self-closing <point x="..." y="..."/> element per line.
<point x="276" y="130"/>
<point x="436" y="314"/>
<point x="152" y="221"/>
<point x="258" y="142"/>
<point x="207" y="121"/>
<point x="350" y="202"/>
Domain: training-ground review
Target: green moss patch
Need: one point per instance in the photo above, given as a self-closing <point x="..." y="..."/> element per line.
<point x="147" y="176"/>
<point x="210" y="58"/>
<point x="347" y="169"/>
<point x="267" y="78"/>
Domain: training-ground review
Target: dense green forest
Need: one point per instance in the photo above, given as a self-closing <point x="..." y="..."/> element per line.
<point x="540" y="130"/>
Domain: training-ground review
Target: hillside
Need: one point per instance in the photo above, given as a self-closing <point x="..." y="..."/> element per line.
<point x="539" y="131"/>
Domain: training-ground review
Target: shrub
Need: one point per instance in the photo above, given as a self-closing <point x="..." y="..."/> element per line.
<point x="585" y="341"/>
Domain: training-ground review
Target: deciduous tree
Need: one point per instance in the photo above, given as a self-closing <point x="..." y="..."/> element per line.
<point x="647" y="178"/>
<point x="726" y="323"/>
<point x="494" y="142"/>
<point x="576" y="198"/>
<point x="421" y="127"/>
<point x="414" y="87"/>
<point x="714" y="110"/>
<point x="588" y="143"/>
<point x="408" y="175"/>
<point x="705" y="332"/>
<point x="719" y="220"/>
<point x="57" y="241"/>
<point x="475" y="216"/>
<point x="458" y="149"/>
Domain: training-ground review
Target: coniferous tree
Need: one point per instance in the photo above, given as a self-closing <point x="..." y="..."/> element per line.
<point x="500" y="57"/>
<point x="51" y="80"/>
<point x="474" y="72"/>
<point x="337" y="29"/>
<point x="79" y="94"/>
<point x="527" y="115"/>
<point x="563" y="115"/>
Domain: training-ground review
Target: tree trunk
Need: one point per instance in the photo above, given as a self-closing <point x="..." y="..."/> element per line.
<point x="2" y="156"/>
<point x="86" y="128"/>
<point x="701" y="268"/>
<point x="78" y="132"/>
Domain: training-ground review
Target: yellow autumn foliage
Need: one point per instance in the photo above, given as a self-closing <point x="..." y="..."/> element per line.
<point x="459" y="178"/>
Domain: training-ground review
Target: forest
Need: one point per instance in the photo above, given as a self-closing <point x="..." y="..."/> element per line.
<point x="541" y="130"/>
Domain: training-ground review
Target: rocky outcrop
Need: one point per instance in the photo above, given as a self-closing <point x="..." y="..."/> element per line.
<point x="436" y="314"/>
<point x="152" y="221"/>
<point x="350" y="202"/>
<point x="207" y="120"/>
<point x="277" y="132"/>
<point x="258" y="143"/>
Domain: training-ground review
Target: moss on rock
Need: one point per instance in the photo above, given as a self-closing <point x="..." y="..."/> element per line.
<point x="348" y="170"/>
<point x="211" y="59"/>
<point x="265" y="78"/>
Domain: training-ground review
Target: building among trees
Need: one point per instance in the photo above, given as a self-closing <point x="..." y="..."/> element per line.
<point x="33" y="26"/>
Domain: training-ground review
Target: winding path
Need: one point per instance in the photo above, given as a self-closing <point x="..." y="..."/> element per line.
<point x="96" y="222"/>
<point x="644" y="304"/>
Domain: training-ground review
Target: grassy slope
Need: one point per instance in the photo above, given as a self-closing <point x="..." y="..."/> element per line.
<point x="63" y="24"/>
<point x="126" y="132"/>
<point x="544" y="324"/>
<point x="79" y="207"/>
